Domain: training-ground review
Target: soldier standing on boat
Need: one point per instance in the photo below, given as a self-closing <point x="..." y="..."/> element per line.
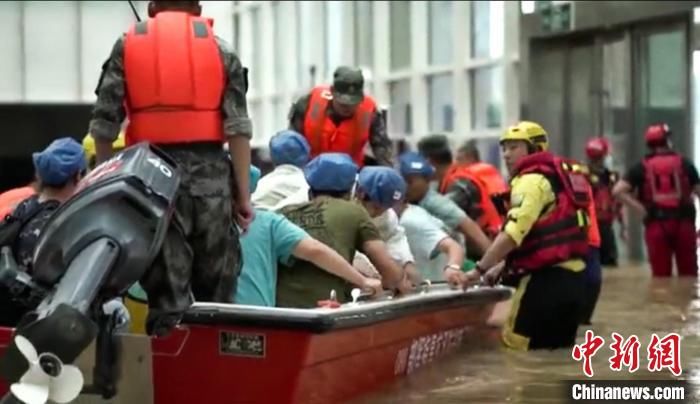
<point x="544" y="242"/>
<point x="342" y="119"/>
<point x="184" y="90"/>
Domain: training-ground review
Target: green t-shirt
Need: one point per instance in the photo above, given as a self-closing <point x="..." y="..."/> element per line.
<point x="342" y="225"/>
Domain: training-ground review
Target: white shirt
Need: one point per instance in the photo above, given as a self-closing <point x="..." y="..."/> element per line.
<point x="394" y="236"/>
<point x="424" y="233"/>
<point x="284" y="186"/>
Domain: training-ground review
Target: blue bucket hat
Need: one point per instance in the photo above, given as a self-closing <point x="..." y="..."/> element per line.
<point x="333" y="172"/>
<point x="254" y="177"/>
<point x="383" y="185"/>
<point x="412" y="163"/>
<point x="60" y="161"/>
<point x="289" y="147"/>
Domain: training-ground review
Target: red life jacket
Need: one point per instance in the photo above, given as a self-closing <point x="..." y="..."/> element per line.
<point x="605" y="204"/>
<point x="350" y="136"/>
<point x="491" y="176"/>
<point x="174" y="80"/>
<point x="666" y="183"/>
<point x="561" y="234"/>
<point x="490" y="221"/>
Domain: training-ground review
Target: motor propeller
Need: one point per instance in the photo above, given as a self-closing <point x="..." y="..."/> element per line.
<point x="47" y="377"/>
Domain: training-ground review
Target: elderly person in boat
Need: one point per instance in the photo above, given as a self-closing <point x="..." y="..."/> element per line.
<point x="340" y="223"/>
<point x="418" y="172"/>
<point x="379" y="189"/>
<point x="286" y="184"/>
<point x="272" y="238"/>
<point x="438" y="256"/>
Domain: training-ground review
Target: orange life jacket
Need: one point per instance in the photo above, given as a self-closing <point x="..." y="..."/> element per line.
<point x="490" y="221"/>
<point x="350" y="136"/>
<point x="561" y="234"/>
<point x="607" y="208"/>
<point x="495" y="184"/>
<point x="174" y="80"/>
<point x="593" y="230"/>
<point x="10" y="199"/>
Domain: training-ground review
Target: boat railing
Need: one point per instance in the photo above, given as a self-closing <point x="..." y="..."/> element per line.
<point x="362" y="312"/>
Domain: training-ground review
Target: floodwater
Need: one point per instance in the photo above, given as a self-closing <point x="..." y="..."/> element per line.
<point x="631" y="303"/>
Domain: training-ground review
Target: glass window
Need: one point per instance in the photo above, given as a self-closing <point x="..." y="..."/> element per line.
<point x="400" y="34"/>
<point x="487" y="29"/>
<point x="487" y="97"/>
<point x="400" y="110"/>
<point x="666" y="84"/>
<point x="237" y="32"/>
<point x="255" y="112"/>
<point x="278" y="32"/>
<point x="440" y="49"/>
<point x="305" y="34"/>
<point x="441" y="103"/>
<point x="364" y="33"/>
<point x="280" y="115"/>
<point x="334" y="35"/>
<point x="255" y="69"/>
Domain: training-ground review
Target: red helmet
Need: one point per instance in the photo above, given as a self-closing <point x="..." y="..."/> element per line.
<point x="597" y="147"/>
<point x="657" y="134"/>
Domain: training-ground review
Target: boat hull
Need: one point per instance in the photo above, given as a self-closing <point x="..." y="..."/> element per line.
<point x="230" y="354"/>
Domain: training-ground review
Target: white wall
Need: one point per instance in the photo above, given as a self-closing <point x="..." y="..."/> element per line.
<point x="53" y="51"/>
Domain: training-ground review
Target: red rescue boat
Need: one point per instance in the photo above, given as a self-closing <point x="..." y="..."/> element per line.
<point x="233" y="354"/>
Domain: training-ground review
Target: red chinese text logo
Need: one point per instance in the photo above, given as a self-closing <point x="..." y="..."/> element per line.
<point x="665" y="353"/>
<point x="662" y="353"/>
<point x="587" y="350"/>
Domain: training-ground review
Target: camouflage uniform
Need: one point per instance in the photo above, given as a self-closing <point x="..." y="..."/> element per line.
<point x="378" y="139"/>
<point x="201" y="252"/>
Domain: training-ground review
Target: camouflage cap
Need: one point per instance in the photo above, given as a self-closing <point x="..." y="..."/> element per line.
<point x="348" y="85"/>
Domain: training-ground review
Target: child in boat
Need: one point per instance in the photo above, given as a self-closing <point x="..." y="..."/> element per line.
<point x="285" y="185"/>
<point x="379" y="189"/>
<point x="270" y="239"/>
<point x="341" y="224"/>
<point x="417" y="172"/>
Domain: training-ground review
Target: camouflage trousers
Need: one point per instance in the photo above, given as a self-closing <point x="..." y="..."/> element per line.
<point x="201" y="256"/>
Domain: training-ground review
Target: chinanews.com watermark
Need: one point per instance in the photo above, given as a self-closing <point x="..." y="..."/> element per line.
<point x="663" y="354"/>
<point x="628" y="391"/>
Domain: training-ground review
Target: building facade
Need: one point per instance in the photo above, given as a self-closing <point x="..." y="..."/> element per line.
<point x="438" y="66"/>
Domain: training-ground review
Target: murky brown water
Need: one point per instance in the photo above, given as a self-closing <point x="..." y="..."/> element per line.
<point x="631" y="302"/>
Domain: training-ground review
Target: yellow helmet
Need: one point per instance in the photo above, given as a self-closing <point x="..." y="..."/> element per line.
<point x="89" y="146"/>
<point x="530" y="132"/>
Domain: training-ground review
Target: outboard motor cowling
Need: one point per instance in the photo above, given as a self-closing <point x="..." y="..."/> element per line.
<point x="92" y="250"/>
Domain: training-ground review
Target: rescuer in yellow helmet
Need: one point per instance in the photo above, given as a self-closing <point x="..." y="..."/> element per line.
<point x="89" y="147"/>
<point x="543" y="243"/>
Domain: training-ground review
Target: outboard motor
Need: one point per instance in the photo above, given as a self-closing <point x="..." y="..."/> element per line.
<point x="92" y="250"/>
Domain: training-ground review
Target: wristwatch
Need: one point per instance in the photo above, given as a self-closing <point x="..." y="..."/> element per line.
<point x="451" y="266"/>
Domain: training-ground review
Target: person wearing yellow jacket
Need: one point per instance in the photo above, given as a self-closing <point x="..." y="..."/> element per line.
<point x="91" y="152"/>
<point x="544" y="242"/>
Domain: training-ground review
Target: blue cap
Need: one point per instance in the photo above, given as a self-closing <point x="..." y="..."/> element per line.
<point x="289" y="147"/>
<point x="60" y="161"/>
<point x="254" y="177"/>
<point x="412" y="163"/>
<point x="333" y="172"/>
<point x="382" y="185"/>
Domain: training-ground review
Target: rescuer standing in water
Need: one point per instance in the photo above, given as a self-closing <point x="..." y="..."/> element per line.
<point x="183" y="90"/>
<point x="663" y="184"/>
<point x="603" y="180"/>
<point x="544" y="242"/>
<point x="342" y="119"/>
